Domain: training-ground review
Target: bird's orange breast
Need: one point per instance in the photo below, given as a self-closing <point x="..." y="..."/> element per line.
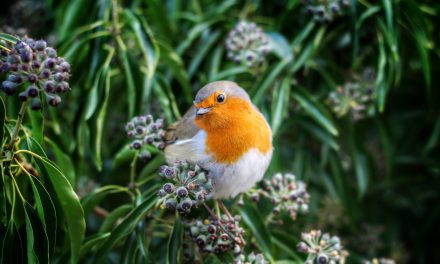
<point x="234" y="128"/>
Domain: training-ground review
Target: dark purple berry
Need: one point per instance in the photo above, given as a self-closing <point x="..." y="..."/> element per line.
<point x="149" y="140"/>
<point x="9" y="87"/>
<point x="35" y="104"/>
<point x="322" y="259"/>
<point x="13" y="59"/>
<point x="153" y="128"/>
<point x="186" y="204"/>
<point x="51" y="53"/>
<point x="171" y="203"/>
<point x="182" y="192"/>
<point x="140" y="130"/>
<point x="49" y="86"/>
<point x="200" y="241"/>
<point x="302" y="247"/>
<point x="36" y="64"/>
<point x="168" y="187"/>
<point x="5" y="66"/>
<point x="65" y="66"/>
<point x="145" y="156"/>
<point x="32" y="78"/>
<point x="162" y="168"/>
<point x="169" y="172"/>
<point x="24" y="67"/>
<point x="59" y="77"/>
<point x="61" y="87"/>
<point x="53" y="99"/>
<point x="136" y="144"/>
<point x="32" y="91"/>
<point x="160" y="146"/>
<point x="40" y="45"/>
<point x="212" y="229"/>
<point x="335" y="8"/>
<point x="23" y="96"/>
<point x="26" y="56"/>
<point x="45" y="74"/>
<point x="49" y="63"/>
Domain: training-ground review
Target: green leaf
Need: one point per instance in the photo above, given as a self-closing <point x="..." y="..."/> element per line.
<point x="175" y="64"/>
<point x="37" y="241"/>
<point x="270" y="78"/>
<point x="124" y="155"/>
<point x="2" y="121"/>
<point x="12" y="245"/>
<point x="94" y="198"/>
<point x="253" y="219"/>
<point x="101" y="118"/>
<point x="131" y="88"/>
<point x="279" y="105"/>
<point x="8" y="38"/>
<point x="46" y="212"/>
<point x="114" y="216"/>
<point x="361" y="169"/>
<point x="126" y="226"/>
<point x="317" y="112"/>
<point x="381" y="85"/>
<point x="72" y="210"/>
<point x="64" y="162"/>
<point x="205" y="45"/>
<point x="93" y="241"/>
<point x="37" y="122"/>
<point x="175" y="242"/>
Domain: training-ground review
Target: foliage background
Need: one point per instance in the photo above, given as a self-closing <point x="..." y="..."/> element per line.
<point x="375" y="182"/>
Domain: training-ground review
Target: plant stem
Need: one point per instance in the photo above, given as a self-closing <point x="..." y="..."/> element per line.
<point x="18" y="124"/>
<point x="133" y="170"/>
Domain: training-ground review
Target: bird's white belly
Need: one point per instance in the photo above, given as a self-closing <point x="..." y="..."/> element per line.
<point x="229" y="179"/>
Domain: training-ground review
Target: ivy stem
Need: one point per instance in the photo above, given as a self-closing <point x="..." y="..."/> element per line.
<point x="133" y="170"/>
<point x="18" y="124"/>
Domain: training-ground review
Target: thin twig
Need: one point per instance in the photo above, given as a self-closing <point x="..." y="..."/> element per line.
<point x="18" y="124"/>
<point x="210" y="211"/>
<point x="223" y="207"/>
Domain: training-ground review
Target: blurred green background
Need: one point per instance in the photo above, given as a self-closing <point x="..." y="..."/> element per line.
<point x="372" y="167"/>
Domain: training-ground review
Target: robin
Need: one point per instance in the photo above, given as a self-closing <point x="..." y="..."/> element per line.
<point x="226" y="135"/>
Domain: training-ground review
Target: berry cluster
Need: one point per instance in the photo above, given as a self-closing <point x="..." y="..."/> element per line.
<point x="188" y="188"/>
<point x="252" y="258"/>
<point x="287" y="194"/>
<point x="34" y="69"/>
<point x="247" y="43"/>
<point x="217" y="235"/>
<point x="145" y="131"/>
<point x="380" y="261"/>
<point x="322" y="248"/>
<point x="355" y="97"/>
<point x="325" y="11"/>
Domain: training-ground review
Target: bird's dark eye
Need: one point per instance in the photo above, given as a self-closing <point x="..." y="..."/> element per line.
<point x="220" y="98"/>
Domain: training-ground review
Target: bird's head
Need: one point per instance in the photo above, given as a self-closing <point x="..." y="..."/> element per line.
<point x="221" y="104"/>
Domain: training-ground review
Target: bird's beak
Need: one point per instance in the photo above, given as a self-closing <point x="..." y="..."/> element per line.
<point x="203" y="110"/>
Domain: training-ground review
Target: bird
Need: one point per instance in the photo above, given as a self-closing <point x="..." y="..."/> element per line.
<point x="224" y="133"/>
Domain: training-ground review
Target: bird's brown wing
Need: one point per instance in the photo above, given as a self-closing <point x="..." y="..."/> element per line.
<point x="185" y="128"/>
